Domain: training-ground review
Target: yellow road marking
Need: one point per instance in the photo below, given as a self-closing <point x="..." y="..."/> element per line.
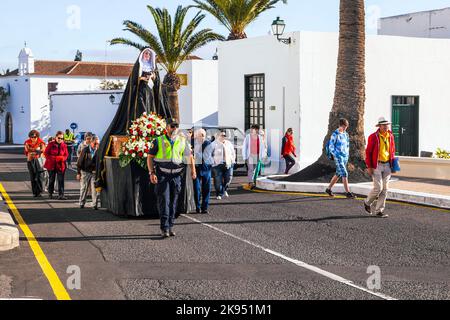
<point x="58" y="288"/>
<point x="318" y="195"/>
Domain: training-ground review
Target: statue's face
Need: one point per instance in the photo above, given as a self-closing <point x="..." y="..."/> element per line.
<point x="146" y="55"/>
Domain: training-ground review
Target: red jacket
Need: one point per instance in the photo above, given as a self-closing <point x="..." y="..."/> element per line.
<point x="288" y="146"/>
<point x="56" y="156"/>
<point x="373" y="149"/>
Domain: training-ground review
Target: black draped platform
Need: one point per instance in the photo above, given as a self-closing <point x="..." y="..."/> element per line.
<point x="129" y="193"/>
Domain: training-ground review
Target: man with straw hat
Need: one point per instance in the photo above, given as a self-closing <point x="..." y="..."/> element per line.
<point x="380" y="154"/>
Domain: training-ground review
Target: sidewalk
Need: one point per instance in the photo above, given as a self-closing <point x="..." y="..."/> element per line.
<point x="435" y="193"/>
<point x="9" y="233"/>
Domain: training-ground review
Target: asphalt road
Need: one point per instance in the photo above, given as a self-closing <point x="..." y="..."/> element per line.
<point x="254" y="245"/>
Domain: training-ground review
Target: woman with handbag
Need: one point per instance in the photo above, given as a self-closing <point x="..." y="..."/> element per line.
<point x="34" y="148"/>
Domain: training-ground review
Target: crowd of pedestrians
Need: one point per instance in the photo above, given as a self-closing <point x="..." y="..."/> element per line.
<point x="212" y="164"/>
<point x="48" y="162"/>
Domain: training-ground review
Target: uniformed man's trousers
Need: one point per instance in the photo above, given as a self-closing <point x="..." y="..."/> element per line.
<point x="167" y="191"/>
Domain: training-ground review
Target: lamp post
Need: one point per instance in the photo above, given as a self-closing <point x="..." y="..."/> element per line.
<point x="278" y="27"/>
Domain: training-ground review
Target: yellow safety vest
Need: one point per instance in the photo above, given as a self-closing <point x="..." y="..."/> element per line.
<point x="167" y="153"/>
<point x="69" y="137"/>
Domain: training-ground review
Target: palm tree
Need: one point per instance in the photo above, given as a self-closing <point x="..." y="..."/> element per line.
<point x="173" y="45"/>
<point x="236" y="15"/>
<point x="349" y="94"/>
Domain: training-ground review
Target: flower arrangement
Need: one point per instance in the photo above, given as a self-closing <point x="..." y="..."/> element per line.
<point x="141" y="134"/>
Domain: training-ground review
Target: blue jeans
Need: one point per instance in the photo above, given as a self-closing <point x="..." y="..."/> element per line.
<point x="167" y="191"/>
<point x="222" y="179"/>
<point x="202" y="189"/>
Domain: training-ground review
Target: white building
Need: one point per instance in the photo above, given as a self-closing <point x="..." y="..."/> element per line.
<point x="76" y="107"/>
<point x="425" y="24"/>
<point x="263" y="81"/>
<point x="31" y="85"/>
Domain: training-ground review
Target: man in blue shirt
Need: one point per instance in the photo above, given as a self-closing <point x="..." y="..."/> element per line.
<point x="203" y="167"/>
<point x="339" y="147"/>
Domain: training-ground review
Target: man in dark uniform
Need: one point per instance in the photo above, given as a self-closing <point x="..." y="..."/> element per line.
<point x="165" y="165"/>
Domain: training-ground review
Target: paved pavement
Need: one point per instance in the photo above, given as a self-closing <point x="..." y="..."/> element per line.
<point x="440" y="187"/>
<point x="254" y="245"/>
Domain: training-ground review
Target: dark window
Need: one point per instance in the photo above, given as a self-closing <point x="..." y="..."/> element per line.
<point x="52" y="87"/>
<point x="254" y="101"/>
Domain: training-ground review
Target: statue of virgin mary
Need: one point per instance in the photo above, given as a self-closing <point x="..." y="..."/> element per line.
<point x="143" y="93"/>
<point x="129" y="192"/>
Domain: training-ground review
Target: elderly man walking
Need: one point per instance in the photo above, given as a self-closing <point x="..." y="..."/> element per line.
<point x="203" y="162"/>
<point x="86" y="172"/>
<point x="224" y="156"/>
<point x="380" y="155"/>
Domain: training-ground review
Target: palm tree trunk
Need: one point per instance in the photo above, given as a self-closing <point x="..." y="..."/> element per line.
<point x="349" y="95"/>
<point x="172" y="83"/>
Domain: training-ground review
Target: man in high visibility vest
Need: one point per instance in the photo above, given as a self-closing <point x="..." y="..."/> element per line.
<point x="69" y="139"/>
<point x="165" y="165"/>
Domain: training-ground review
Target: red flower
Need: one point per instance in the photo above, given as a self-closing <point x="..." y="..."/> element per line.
<point x="149" y="126"/>
<point x="140" y="154"/>
<point x="136" y="148"/>
<point x="158" y="125"/>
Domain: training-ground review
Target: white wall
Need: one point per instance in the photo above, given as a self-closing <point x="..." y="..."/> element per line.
<point x="427" y="24"/>
<point x="19" y="97"/>
<point x="280" y="63"/>
<point x="205" y="93"/>
<point x="92" y="111"/>
<point x="199" y="99"/>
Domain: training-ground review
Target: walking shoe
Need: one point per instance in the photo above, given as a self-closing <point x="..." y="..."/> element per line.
<point x="50" y="196"/>
<point x="81" y="206"/>
<point x="382" y="215"/>
<point x="62" y="198"/>
<point x="205" y="212"/>
<point x="329" y="192"/>
<point x="95" y="207"/>
<point x="197" y="210"/>
<point x="350" y="195"/>
<point x="367" y="208"/>
<point x="219" y="198"/>
<point x="226" y="195"/>
<point x="165" y="234"/>
<point x="172" y="233"/>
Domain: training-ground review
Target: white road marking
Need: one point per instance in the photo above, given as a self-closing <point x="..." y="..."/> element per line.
<point x="299" y="263"/>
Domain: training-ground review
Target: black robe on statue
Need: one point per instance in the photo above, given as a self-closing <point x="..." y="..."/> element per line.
<point x="139" y="96"/>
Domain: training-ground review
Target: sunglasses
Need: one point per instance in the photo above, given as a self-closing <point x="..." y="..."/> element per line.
<point x="33" y="137"/>
<point x="174" y="126"/>
<point x="59" y="138"/>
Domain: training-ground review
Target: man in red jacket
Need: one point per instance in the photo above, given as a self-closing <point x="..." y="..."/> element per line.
<point x="56" y="155"/>
<point x="380" y="154"/>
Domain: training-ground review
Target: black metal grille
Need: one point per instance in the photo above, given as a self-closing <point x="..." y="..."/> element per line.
<point x="254" y="101"/>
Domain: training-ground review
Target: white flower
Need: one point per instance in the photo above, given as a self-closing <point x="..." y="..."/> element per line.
<point x="145" y="155"/>
<point x="126" y="153"/>
<point x="133" y="155"/>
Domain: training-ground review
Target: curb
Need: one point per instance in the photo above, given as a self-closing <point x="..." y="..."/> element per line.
<point x="427" y="199"/>
<point x="9" y="233"/>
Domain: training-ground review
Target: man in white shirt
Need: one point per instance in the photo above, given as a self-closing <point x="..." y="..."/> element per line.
<point x="224" y="158"/>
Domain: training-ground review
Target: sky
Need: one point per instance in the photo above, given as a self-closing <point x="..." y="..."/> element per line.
<point x="56" y="29"/>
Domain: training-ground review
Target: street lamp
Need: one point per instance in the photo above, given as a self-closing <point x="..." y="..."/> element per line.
<point x="278" y="27"/>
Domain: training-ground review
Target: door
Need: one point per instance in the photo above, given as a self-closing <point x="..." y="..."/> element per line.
<point x="8" y="129"/>
<point x="405" y="125"/>
<point x="254" y="101"/>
